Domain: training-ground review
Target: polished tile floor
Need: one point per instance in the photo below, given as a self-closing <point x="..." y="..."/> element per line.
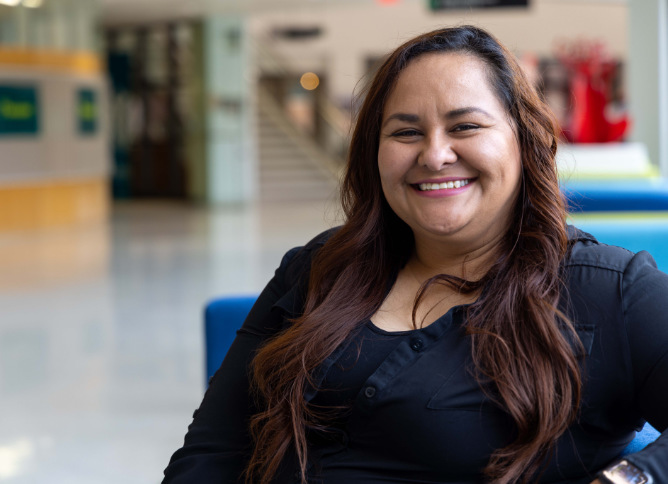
<point x="101" y="353"/>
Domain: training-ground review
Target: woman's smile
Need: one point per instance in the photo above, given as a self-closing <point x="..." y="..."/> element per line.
<point x="443" y="187"/>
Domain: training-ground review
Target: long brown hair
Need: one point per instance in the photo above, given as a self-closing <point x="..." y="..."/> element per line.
<point x="521" y="342"/>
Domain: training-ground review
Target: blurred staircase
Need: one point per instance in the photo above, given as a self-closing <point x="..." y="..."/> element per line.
<point x="292" y="166"/>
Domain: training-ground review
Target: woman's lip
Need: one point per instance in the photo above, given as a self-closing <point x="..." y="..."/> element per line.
<point x="445" y="180"/>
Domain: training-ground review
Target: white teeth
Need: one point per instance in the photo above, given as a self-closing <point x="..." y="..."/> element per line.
<point x="443" y="186"/>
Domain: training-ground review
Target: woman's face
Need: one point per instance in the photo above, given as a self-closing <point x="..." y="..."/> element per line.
<point x="448" y="157"/>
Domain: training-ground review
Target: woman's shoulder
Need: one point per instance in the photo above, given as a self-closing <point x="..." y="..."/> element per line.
<point x="586" y="250"/>
<point x="297" y="260"/>
<point x="593" y="263"/>
<point x="320" y="239"/>
<point x="291" y="279"/>
<point x="286" y="291"/>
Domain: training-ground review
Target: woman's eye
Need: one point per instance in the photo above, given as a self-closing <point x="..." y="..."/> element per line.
<point x="406" y="133"/>
<point x="465" y="127"/>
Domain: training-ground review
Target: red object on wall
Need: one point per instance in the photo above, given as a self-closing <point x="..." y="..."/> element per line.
<point x="592" y="72"/>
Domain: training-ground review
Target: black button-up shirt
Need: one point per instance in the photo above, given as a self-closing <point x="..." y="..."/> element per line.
<point x="415" y="411"/>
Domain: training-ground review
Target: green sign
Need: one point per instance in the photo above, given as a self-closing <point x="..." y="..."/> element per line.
<point x="87" y="111"/>
<point x="459" y="4"/>
<point x="19" y="110"/>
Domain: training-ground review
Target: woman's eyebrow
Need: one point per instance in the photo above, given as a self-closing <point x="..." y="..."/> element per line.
<point x="455" y="113"/>
<point x="405" y="117"/>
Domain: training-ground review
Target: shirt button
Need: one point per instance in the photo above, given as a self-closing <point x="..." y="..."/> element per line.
<point x="369" y="392"/>
<point x="416" y="344"/>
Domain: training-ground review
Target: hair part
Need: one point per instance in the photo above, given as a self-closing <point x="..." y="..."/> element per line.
<point x="521" y="342"/>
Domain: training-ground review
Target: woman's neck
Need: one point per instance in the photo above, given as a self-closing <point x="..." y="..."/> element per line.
<point x="470" y="262"/>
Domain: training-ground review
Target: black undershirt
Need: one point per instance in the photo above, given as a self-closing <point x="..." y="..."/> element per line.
<point x="366" y="352"/>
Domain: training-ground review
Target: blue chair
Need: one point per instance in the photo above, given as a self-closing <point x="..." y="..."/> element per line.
<point x="224" y="316"/>
<point x="643" y="438"/>
<point x="639" y="195"/>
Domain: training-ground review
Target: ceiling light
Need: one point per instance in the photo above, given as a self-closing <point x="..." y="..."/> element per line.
<point x="33" y="3"/>
<point x="11" y="3"/>
<point x="309" y="81"/>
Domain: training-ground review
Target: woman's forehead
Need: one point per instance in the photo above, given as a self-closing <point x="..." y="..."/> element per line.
<point x="444" y="80"/>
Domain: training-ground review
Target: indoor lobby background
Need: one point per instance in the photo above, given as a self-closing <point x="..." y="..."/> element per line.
<point x="157" y="154"/>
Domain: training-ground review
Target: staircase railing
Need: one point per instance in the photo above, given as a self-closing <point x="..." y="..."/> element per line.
<point x="327" y="164"/>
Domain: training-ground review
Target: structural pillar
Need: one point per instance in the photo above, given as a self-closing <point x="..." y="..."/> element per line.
<point x="230" y="166"/>
<point x="648" y="77"/>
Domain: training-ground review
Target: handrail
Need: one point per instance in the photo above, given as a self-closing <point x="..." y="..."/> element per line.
<point x="336" y="118"/>
<point x="321" y="160"/>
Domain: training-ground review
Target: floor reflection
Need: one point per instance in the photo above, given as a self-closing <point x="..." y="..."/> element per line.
<point x="101" y="357"/>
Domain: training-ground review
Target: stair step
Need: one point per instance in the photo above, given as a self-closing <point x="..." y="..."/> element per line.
<point x="306" y="193"/>
<point x="297" y="161"/>
<point x="286" y="172"/>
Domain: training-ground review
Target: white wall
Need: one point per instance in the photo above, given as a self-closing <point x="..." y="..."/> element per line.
<point x="354" y="32"/>
<point x="58" y="151"/>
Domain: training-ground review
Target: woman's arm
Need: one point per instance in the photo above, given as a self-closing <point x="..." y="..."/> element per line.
<point x="645" y="296"/>
<point x="218" y="445"/>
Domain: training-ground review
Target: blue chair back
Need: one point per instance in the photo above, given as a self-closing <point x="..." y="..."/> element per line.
<point x="637" y="195"/>
<point x="222" y="318"/>
<point x="643" y="438"/>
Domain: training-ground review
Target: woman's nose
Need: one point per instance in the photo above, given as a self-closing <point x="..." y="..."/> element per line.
<point x="437" y="152"/>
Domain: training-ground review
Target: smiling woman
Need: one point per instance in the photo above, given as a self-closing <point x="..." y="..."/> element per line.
<point x="454" y="329"/>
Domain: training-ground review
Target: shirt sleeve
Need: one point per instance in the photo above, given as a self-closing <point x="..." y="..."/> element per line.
<point x="645" y="295"/>
<point x="217" y="445"/>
